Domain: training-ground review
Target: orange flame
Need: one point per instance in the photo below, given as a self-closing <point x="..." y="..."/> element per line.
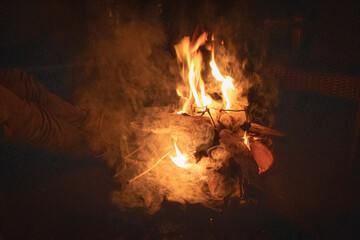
<point x="191" y="57"/>
<point x="246" y="141"/>
<point x="193" y="89"/>
<point x="226" y="83"/>
<point x="180" y="159"/>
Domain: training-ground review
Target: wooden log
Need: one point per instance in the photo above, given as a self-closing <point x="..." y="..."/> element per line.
<point x="192" y="132"/>
<point x="257" y="129"/>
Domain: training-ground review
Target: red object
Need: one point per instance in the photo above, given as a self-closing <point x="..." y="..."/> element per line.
<point x="263" y="157"/>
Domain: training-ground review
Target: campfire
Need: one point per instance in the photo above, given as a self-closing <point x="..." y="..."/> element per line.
<point x="204" y="149"/>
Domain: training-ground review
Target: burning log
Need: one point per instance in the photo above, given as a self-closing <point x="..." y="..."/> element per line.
<point x="257" y="129"/>
<point x="216" y="147"/>
<point x="217" y="162"/>
<point x="199" y="134"/>
<point x="193" y="132"/>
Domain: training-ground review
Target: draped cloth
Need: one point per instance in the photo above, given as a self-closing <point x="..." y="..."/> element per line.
<point x="29" y="114"/>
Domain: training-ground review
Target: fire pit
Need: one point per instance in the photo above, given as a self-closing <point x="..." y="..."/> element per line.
<point x="206" y="147"/>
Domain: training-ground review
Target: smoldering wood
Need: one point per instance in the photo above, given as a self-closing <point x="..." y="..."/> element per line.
<point x="236" y="120"/>
<point x="166" y="123"/>
<point x="192" y="132"/>
<point x="259" y="129"/>
<point x="196" y="133"/>
<point x="234" y="142"/>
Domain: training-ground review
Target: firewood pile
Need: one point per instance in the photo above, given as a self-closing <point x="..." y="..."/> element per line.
<point x="228" y="149"/>
<point x="206" y="148"/>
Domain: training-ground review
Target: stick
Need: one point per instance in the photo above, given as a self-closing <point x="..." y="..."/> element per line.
<point x="222" y="109"/>
<point x="127" y="158"/>
<point x="207" y="110"/>
<point x="123" y="142"/>
<point x="212" y="120"/>
<point x="232" y="110"/>
<point x="143" y="173"/>
<point x="134" y="152"/>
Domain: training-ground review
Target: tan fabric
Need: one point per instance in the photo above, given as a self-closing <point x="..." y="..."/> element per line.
<point x="26" y="88"/>
<point x="30" y="114"/>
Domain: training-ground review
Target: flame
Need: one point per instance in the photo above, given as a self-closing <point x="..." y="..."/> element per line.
<point x="226" y="85"/>
<point x="191" y="57"/>
<point x="193" y="91"/>
<point x="206" y="100"/>
<point x="246" y="141"/>
<point x="180" y="159"/>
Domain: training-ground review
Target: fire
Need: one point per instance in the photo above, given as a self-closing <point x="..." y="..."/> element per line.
<point x="193" y="89"/>
<point x="180" y="159"/>
<point x="226" y="82"/>
<point x="246" y="141"/>
<point x="188" y="53"/>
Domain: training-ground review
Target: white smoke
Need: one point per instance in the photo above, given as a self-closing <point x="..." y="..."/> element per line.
<point x="129" y="88"/>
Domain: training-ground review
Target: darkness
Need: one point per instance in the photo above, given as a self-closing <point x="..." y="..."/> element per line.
<point x="312" y="191"/>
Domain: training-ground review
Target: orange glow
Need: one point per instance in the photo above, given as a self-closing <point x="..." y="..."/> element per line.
<point x="226" y="83"/>
<point x="193" y="89"/>
<point x="246" y="141"/>
<point x="180" y="159"/>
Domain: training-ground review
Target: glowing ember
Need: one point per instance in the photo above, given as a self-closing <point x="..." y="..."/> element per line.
<point x="180" y="159"/>
<point x="246" y="141"/>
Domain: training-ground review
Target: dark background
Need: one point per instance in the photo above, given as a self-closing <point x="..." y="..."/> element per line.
<point x="311" y="193"/>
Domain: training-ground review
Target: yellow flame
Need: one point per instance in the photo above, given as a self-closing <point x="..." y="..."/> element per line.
<point x="226" y="82"/>
<point x="206" y="100"/>
<point x="180" y="159"/>
<point x="192" y="81"/>
<point x="189" y="55"/>
<point x="193" y="89"/>
<point x="246" y="141"/>
<point x="245" y="138"/>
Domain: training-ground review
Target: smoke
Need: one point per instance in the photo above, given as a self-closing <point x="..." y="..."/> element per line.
<point x="129" y="88"/>
<point x="128" y="70"/>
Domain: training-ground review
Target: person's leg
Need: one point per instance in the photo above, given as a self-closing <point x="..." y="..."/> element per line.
<point x="28" y="123"/>
<point x="25" y="87"/>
